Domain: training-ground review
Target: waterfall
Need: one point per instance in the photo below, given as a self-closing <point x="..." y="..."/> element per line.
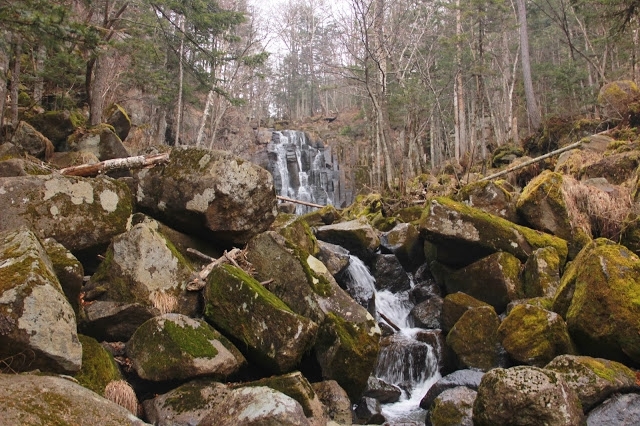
<point x="305" y="170"/>
<point x="406" y="362"/>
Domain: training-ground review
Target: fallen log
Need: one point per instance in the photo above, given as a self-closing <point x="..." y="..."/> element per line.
<point x="532" y="161"/>
<point x="293" y="200"/>
<point x="127" y="163"/>
<point x="199" y="281"/>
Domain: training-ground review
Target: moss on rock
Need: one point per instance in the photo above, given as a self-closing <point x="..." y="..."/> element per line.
<point x="98" y="366"/>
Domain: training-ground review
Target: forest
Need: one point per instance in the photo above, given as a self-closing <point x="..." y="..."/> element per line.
<point x="419" y="83"/>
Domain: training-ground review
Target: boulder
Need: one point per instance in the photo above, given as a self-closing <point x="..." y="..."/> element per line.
<point x="369" y="412"/>
<point x="113" y="321"/>
<point x="541" y="276"/>
<point x="101" y="141"/>
<point x="494" y="197"/>
<point x="357" y="236"/>
<point x="176" y="347"/>
<point x="456" y="304"/>
<point x="389" y="274"/>
<point x="296" y="386"/>
<point x="494" y="279"/>
<point x="453" y="407"/>
<point x="616" y="98"/>
<point x="45" y="400"/>
<point x="534" y="336"/>
<point x="334" y="257"/>
<point x="22" y="167"/>
<point x="57" y="126"/>
<point x="463" y="234"/>
<point x="98" y="366"/>
<point x="143" y="266"/>
<point x="544" y="206"/>
<point x="474" y="338"/>
<point x="324" y="216"/>
<point x="209" y="192"/>
<point x="256" y="406"/>
<point x="68" y="270"/>
<point x="603" y="314"/>
<point x="299" y="232"/>
<point x="616" y="168"/>
<point x="594" y="379"/>
<point x="32" y="141"/>
<point x="273" y="336"/>
<point x="69" y="159"/>
<point x="335" y="400"/>
<point x="382" y="391"/>
<point x="622" y="410"/>
<point x="404" y="241"/>
<point x="428" y="314"/>
<point x="526" y="396"/>
<point x="119" y="120"/>
<point x="461" y="378"/>
<point x="80" y="213"/>
<point x="37" y="323"/>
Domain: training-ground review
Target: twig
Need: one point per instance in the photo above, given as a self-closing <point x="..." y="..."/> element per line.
<point x="304" y="203"/>
<point x="388" y="321"/>
<point x="200" y="280"/>
<point x="139" y="161"/>
<point x="200" y="254"/>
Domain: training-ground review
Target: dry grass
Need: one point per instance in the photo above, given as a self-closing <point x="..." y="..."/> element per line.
<point x="120" y="392"/>
<point x="164" y="302"/>
<point x="597" y="212"/>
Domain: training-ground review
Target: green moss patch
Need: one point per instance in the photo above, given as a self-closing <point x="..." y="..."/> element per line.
<point x="98" y="366"/>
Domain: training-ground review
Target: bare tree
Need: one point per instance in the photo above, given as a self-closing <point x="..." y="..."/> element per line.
<point x="533" y="110"/>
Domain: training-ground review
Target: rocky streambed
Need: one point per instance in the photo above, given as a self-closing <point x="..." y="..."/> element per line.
<point x="531" y="320"/>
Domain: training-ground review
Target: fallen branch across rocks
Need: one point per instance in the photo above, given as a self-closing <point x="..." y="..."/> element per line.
<point x="200" y="279"/>
<point x="304" y="203"/>
<point x="127" y="163"/>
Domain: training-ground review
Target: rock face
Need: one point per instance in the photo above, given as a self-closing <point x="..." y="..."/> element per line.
<point x="389" y="274"/>
<point x="37" y="323"/>
<point x="526" y="396"/>
<point x="202" y="191"/>
<point x="79" y="213"/>
<point x="68" y="269"/>
<point x="39" y="400"/>
<point x="176" y="347"/>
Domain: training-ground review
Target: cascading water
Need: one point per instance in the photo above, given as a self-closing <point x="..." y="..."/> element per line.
<point x="406" y="362"/>
<point x="305" y="170"/>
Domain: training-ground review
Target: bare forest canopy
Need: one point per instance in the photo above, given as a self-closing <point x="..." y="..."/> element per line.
<point x="409" y="83"/>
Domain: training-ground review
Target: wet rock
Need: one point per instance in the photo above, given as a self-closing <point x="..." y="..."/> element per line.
<point x="389" y="274"/>
<point x="461" y="378"/>
<point x="453" y="407"/>
<point x="474" y="338"/>
<point x="623" y="410"/>
<point x="404" y="241"/>
<point x="526" y="396"/>
<point x="541" y="277"/>
<point x="382" y="391"/>
<point x="369" y="411"/>
<point x="113" y="321"/>
<point x="428" y="313"/>
<point x="357" y="236"/>
<point x="456" y="304"/>
<point x="335" y="400"/>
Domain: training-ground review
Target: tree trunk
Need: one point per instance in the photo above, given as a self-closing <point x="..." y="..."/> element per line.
<point x="533" y="112"/>
<point x="4" y="71"/>
<point x="460" y="125"/>
<point x="15" y="79"/>
<point x="180" y="82"/>
<point x="38" y="87"/>
<point x="205" y="116"/>
<point x="98" y="88"/>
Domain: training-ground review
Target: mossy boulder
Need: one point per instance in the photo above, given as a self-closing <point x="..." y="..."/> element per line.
<point x="469" y="378"/>
<point x="70" y="159"/>
<point x="616" y="168"/>
<point x="264" y="327"/>
<point x="143" y="266"/>
<point x="364" y="205"/>
<point x="22" y="167"/>
<point x="453" y="407"/>
<point x="324" y="216"/>
<point x="494" y="279"/>
<point x="57" y="126"/>
<point x="334" y="257"/>
<point x="534" y="336"/>
<point x="98" y="366"/>
<point x="176" y="347"/>
<point x="463" y="234"/>
<point x="594" y="379"/>
<point x="357" y="236"/>
<point x="300" y="233"/>
<point x="617" y="97"/>
<point x="80" y="213"/>
<point x="37" y="323"/>
<point x="119" y="120"/>
<point x="456" y="304"/>
<point x="209" y="193"/>
<point x="630" y="237"/>
<point x="526" y="396"/>
<point x="405" y="243"/>
<point x="474" y="338"/>
<point x="603" y="317"/>
<point x="113" y="321"/>
<point x="505" y="154"/>
<point x="30" y="399"/>
<point x="494" y="197"/>
<point x="543" y="206"/>
<point x="101" y="141"/>
<point x="564" y="294"/>
<point x="541" y="275"/>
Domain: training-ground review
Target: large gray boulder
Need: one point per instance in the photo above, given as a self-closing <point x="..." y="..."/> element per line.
<point x="37" y="323"/>
<point x="526" y="396"/>
<point x="79" y="213"/>
<point x="209" y="192"/>
<point x="45" y="400"/>
<point x="357" y="236"/>
<point x="404" y="241"/>
<point x="143" y="266"/>
<point x="463" y="234"/>
<point x="621" y="410"/>
<point x="101" y="141"/>
<point x="467" y="378"/>
<point x="270" y="333"/>
<point x="68" y="269"/>
<point x="176" y="347"/>
<point x="335" y="400"/>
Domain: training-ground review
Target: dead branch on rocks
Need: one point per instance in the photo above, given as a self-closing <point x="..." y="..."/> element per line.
<point x="200" y="279"/>
<point x="127" y="163"/>
<point x="304" y="203"/>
